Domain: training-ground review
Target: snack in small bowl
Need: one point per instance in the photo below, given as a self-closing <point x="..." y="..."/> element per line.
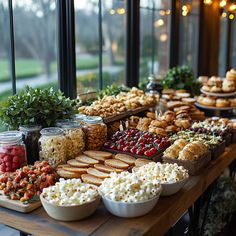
<point x="171" y="176"/>
<point x="70" y="200"/>
<point x="127" y="195"/>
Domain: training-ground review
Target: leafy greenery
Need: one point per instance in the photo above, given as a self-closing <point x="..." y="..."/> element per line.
<point x="221" y="206"/>
<point x="36" y="106"/>
<point x="181" y="77"/>
<point x="112" y="90"/>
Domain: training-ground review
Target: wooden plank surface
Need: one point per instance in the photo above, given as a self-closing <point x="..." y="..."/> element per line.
<point x="17" y="205"/>
<point x="167" y="211"/>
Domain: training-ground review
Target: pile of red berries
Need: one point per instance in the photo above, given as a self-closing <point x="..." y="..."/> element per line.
<point x="137" y="142"/>
<point x="12" y="158"/>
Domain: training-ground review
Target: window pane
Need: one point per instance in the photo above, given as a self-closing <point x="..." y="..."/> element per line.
<point x="35" y="43"/>
<point x="188" y="37"/>
<point x="87" y="44"/>
<point x="233" y="45"/>
<point x="114" y="36"/>
<point x="5" y="63"/>
<point x="154" y="37"/>
<point x="222" y="46"/>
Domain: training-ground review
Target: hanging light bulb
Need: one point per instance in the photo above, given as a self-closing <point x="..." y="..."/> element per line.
<point x="223" y="3"/>
<point x="231" y="16"/>
<point x="224" y="14"/>
<point x="208" y="2"/>
<point x="232" y="7"/>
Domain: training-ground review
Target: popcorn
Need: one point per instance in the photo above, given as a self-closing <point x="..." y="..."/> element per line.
<point x="165" y="173"/>
<point x="128" y="187"/>
<point x="70" y="192"/>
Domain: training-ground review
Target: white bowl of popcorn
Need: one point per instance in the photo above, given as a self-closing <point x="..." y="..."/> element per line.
<point x="70" y="200"/>
<point x="171" y="176"/>
<point x="126" y="195"/>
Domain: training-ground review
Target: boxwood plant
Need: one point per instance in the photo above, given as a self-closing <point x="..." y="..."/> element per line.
<point x="36" y="106"/>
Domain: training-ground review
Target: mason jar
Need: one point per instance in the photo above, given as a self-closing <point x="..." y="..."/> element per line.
<point x="95" y="132"/>
<point x="74" y="138"/>
<point x="12" y="151"/>
<point x="79" y="118"/>
<point x="52" y="146"/>
<point x="31" y="135"/>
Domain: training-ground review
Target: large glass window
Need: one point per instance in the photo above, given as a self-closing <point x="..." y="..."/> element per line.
<point x="35" y="43"/>
<point x="113" y="20"/>
<point x="154" y="37"/>
<point x="5" y="60"/>
<point x="188" y="34"/>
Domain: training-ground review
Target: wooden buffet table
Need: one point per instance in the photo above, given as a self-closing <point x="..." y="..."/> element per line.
<point x="166" y="213"/>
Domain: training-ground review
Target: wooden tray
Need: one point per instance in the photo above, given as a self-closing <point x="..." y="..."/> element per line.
<point x="156" y="157"/>
<point x="17" y="205"/>
<point x="217" y="150"/>
<point x="218" y="94"/>
<point x="193" y="167"/>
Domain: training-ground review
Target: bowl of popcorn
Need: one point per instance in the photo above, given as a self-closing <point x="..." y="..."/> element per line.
<point x="171" y="176"/>
<point x="70" y="200"/>
<point x="127" y="195"/>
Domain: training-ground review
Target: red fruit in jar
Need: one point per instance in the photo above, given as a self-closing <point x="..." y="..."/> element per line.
<point x="3" y="167"/>
<point x="7" y="158"/>
<point x="16" y="159"/>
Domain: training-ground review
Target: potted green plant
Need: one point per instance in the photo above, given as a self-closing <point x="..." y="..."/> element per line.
<point x="181" y="77"/>
<point x="36" y="106"/>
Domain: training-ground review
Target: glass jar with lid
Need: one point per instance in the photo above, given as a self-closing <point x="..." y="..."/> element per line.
<point x="74" y="138"/>
<point x="12" y="151"/>
<point x="31" y="135"/>
<point x="79" y="118"/>
<point x="52" y="146"/>
<point x="154" y="85"/>
<point x="95" y="132"/>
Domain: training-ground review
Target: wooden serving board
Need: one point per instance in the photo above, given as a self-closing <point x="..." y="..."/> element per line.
<point x="17" y="205"/>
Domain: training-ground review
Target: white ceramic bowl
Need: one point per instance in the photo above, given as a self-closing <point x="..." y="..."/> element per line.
<point x="172" y="188"/>
<point x="70" y="213"/>
<point x="129" y="210"/>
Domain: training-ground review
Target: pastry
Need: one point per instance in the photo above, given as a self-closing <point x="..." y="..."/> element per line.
<point x="104" y="168"/>
<point x="125" y="158"/>
<point x="183" y="95"/>
<point x="228" y="86"/>
<point x="214" y="81"/>
<point x="98" y="155"/>
<point x="169" y="116"/>
<point x="216" y="89"/>
<point x="203" y="79"/>
<point x="75" y="169"/>
<point x="116" y="164"/>
<point x="171" y="129"/>
<point x="98" y="173"/>
<point x="158" y="123"/>
<point x="206" y="88"/>
<point x="151" y="115"/>
<point x="91" y="179"/>
<point x="233" y="102"/>
<point x="86" y="159"/>
<point x="75" y="163"/>
<point x="231" y="76"/>
<point x="208" y="101"/>
<point x="67" y="174"/>
<point x="183" y="123"/>
<point x="157" y="130"/>
<point x="222" y="102"/>
<point x="190" y="101"/>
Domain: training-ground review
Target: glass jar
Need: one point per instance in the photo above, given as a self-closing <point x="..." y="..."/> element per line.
<point x="154" y="85"/>
<point x="31" y="135"/>
<point x="12" y="151"/>
<point x="95" y="132"/>
<point x="74" y="138"/>
<point x="52" y="146"/>
<point x="79" y="118"/>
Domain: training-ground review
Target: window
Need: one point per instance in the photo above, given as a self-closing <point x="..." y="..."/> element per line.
<point x="188" y="34"/>
<point x="233" y="44"/>
<point x="89" y="38"/>
<point x="35" y="43"/>
<point x="154" y="37"/>
<point x="5" y="60"/>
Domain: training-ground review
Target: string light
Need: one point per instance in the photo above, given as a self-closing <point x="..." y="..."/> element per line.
<point x="232" y="7"/>
<point x="223" y="3"/>
<point x="224" y="14"/>
<point x="185" y="10"/>
<point x="121" y="11"/>
<point x="208" y="2"/>
<point x="159" y="23"/>
<point x="163" y="37"/>
<point x="168" y="12"/>
<point x="112" y="11"/>
<point x="162" y="12"/>
<point x="231" y="16"/>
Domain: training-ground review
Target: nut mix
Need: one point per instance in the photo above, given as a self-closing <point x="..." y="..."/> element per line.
<point x="95" y="133"/>
<point x="52" y="145"/>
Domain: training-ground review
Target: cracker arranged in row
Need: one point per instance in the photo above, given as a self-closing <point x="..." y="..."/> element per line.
<point x="91" y="179"/>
